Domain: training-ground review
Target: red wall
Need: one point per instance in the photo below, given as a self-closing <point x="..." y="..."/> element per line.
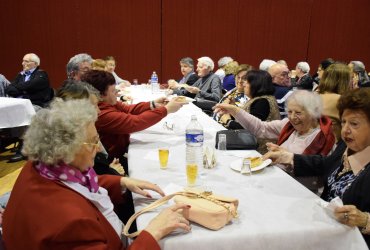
<point x="147" y="35"/>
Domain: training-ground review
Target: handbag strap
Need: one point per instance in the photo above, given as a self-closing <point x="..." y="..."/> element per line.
<point x="151" y="206"/>
<point x="161" y="201"/>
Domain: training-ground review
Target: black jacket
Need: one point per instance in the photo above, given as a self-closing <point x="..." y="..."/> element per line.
<point x="356" y="194"/>
<point x="37" y="88"/>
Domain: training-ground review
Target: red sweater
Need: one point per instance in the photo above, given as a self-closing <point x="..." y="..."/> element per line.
<point x="116" y="122"/>
<point x="323" y="142"/>
<point x="45" y="214"/>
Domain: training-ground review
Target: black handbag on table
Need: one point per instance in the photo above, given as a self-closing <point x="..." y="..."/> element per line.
<point x="238" y="139"/>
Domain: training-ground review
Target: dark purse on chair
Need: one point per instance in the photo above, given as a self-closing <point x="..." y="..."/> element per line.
<point x="238" y="139"/>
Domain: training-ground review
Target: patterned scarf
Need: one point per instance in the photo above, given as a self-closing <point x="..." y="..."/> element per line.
<point x="64" y="172"/>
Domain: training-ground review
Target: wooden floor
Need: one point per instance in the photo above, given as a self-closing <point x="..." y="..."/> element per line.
<point x="8" y="171"/>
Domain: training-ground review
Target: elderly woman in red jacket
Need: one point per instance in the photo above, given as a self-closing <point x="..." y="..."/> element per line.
<point x="58" y="201"/>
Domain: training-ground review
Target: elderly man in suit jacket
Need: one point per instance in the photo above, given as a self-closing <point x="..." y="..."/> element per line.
<point x="300" y="77"/>
<point x="31" y="83"/>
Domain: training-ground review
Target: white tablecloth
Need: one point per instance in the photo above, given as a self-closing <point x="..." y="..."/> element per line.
<point x="15" y="112"/>
<point x="275" y="211"/>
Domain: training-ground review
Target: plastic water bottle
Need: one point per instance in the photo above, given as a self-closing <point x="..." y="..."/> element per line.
<point x="194" y="149"/>
<point x="154" y="82"/>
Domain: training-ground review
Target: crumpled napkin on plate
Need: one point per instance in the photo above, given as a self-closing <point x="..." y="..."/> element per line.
<point x="329" y="207"/>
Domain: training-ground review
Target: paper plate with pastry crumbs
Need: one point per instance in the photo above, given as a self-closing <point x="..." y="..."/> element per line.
<point x="257" y="164"/>
<point x="183" y="99"/>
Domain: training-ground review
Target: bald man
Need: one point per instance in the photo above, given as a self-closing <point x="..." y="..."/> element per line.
<point x="31" y="83"/>
<point x="280" y="78"/>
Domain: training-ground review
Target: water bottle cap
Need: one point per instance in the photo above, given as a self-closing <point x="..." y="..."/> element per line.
<point x="222" y="137"/>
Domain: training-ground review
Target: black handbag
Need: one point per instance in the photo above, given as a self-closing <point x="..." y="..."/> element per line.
<point x="238" y="139"/>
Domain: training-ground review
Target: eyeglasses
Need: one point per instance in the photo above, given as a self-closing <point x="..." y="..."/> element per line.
<point x="94" y="146"/>
<point x="27" y="61"/>
<point x="84" y="70"/>
<point x="168" y="126"/>
<point x="285" y="73"/>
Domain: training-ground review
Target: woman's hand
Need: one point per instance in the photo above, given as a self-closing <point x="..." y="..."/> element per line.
<point x="116" y="165"/>
<point x="223" y="108"/>
<point x="174" y="105"/>
<point x="138" y="186"/>
<point x="351" y="216"/>
<point x="168" y="220"/>
<point x="278" y="154"/>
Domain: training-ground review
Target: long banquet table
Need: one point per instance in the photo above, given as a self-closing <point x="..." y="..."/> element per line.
<point x="15" y="112"/>
<point x="275" y="211"/>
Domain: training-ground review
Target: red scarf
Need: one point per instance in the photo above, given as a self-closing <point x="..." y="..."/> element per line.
<point x="323" y="142"/>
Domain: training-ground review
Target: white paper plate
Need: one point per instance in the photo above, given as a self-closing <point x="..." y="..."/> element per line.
<point x="237" y="165"/>
<point x="187" y="99"/>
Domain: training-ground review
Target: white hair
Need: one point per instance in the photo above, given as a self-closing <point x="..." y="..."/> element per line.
<point x="224" y="60"/>
<point x="358" y="66"/>
<point x="308" y="100"/>
<point x="303" y="66"/>
<point x="56" y="134"/>
<point x="35" y="58"/>
<point x="266" y="64"/>
<point x="207" y="61"/>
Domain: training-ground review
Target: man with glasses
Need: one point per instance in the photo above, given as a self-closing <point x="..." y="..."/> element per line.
<point x="78" y="65"/>
<point x="281" y="81"/>
<point x="31" y="83"/>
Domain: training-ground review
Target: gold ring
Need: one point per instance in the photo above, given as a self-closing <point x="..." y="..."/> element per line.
<point x="346" y="217"/>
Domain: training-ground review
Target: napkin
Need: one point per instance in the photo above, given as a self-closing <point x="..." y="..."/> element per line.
<point x="329" y="207"/>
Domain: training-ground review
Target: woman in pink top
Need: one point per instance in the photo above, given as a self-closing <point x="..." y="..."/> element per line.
<point x="304" y="131"/>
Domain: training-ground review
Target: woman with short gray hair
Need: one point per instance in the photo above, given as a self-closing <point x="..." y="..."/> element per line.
<point x="189" y="76"/>
<point x="305" y="131"/>
<point x="74" y="206"/>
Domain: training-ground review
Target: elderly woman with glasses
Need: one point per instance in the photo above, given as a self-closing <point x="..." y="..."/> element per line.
<point x="58" y="201"/>
<point x="347" y="169"/>
<point x="304" y="131"/>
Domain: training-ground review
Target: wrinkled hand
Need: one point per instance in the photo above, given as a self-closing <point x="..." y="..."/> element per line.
<point x="174" y="105"/>
<point x="278" y="154"/>
<point x="293" y="73"/>
<point x="168" y="220"/>
<point x="138" y="186"/>
<point x="193" y="90"/>
<point x="160" y="102"/>
<point x="116" y="165"/>
<point x="172" y="84"/>
<point x="351" y="216"/>
<point x="223" y="108"/>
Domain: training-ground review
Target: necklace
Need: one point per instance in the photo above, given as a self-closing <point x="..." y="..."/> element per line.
<point x="346" y="166"/>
